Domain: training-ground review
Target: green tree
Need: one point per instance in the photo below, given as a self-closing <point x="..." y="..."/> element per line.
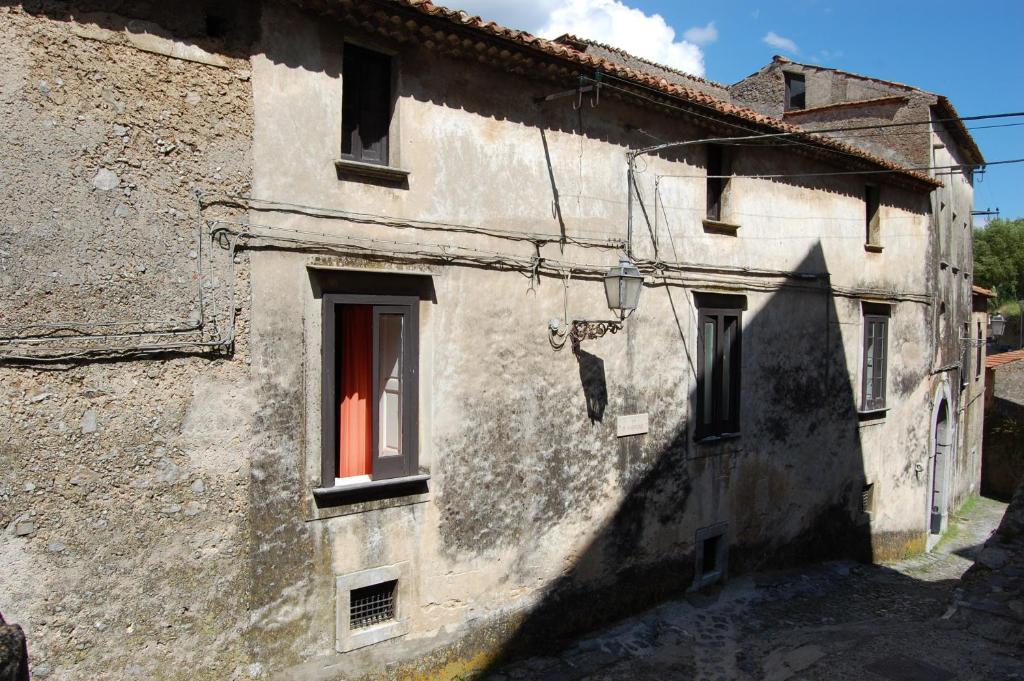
<point x="999" y="257"/>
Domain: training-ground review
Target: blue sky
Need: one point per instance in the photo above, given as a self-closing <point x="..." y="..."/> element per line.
<point x="968" y="52"/>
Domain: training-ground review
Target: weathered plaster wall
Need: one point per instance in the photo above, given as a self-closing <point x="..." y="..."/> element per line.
<point x="533" y="502"/>
<point x="123" y="484"/>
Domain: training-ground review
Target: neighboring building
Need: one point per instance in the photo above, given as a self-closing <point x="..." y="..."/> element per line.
<point x="283" y="399"/>
<point x="1002" y="467"/>
<point x="844" y="105"/>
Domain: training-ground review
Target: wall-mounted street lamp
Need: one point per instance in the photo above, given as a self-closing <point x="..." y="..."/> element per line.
<point x="996" y="325"/>
<point x="622" y="286"/>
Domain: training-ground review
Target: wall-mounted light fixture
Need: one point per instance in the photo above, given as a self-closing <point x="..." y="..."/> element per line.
<point x="622" y="286"/>
<point x="996" y="325"/>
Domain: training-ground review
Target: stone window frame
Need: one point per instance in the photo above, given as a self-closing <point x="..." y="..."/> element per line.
<point x="873" y="314"/>
<point x="386" y="169"/>
<point x="787" y="78"/>
<point x="700" y="578"/>
<point x="873" y="218"/>
<point x="327" y="498"/>
<point x="715" y="308"/>
<point x="345" y="638"/>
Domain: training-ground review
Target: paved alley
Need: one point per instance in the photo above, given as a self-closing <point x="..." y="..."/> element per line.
<point x="834" y="621"/>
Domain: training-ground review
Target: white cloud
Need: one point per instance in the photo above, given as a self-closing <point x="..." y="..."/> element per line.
<point x="780" y="43"/>
<point x="701" y="35"/>
<point x="526" y="15"/>
<point x="605" y="21"/>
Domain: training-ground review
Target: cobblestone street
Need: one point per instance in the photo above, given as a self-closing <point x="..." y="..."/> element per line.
<point x="833" y="621"/>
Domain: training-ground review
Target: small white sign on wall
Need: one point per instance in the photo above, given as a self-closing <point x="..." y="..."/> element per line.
<point x="631" y="424"/>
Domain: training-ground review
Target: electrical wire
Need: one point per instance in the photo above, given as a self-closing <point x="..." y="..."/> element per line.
<point x="771" y="176"/>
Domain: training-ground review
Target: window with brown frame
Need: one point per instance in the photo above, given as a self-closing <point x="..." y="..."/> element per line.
<point x="872" y="224"/>
<point x="875" y="360"/>
<point x="796" y="91"/>
<point x="719" y="326"/>
<point x="717" y="169"/>
<point x="370" y="367"/>
<point x="365" y="105"/>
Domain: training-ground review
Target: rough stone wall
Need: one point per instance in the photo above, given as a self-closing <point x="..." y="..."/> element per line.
<point x="764" y="91"/>
<point x="123" y="484"/>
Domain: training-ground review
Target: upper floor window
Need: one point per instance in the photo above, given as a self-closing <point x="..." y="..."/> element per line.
<point x="872" y="221"/>
<point x="370" y="367"/>
<point x="365" y="105"/>
<point x="717" y="169"/>
<point x="719" y="325"/>
<point x="796" y="91"/>
<point x="979" y="352"/>
<point x="874" y="371"/>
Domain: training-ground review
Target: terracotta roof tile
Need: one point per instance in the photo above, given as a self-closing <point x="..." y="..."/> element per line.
<point x="640" y="78"/>
<point x="988" y="293"/>
<point x="993" y="361"/>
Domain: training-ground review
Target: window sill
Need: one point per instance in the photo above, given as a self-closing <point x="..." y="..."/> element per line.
<point x="711" y="439"/>
<point x="719" y="227"/>
<point x="369" y="490"/>
<point x="371" y="171"/>
<point x="874" y="248"/>
<point x="872" y="415"/>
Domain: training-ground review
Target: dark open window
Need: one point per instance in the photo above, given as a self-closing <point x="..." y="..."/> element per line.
<point x="979" y="350"/>
<point x="365" y="105"/>
<point x="796" y="91"/>
<point x="965" y="357"/>
<point x="872" y="227"/>
<point x="718" y="364"/>
<point x="370" y="367"/>
<point x="717" y="168"/>
<point x="875" y="361"/>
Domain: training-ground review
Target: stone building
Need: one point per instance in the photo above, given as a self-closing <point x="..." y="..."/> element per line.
<point x="1002" y="461"/>
<point x="292" y="386"/>
<point x="845" y="106"/>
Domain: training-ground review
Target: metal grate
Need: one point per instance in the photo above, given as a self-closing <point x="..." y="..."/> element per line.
<point x="372" y="605"/>
<point x="867" y="499"/>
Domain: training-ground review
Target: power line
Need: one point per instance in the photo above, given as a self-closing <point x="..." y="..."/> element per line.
<point x="1010" y="114"/>
<point x="847" y="172"/>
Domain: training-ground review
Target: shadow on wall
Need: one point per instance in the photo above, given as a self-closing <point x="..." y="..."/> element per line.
<point x="789" y="494"/>
<point x="220" y="27"/>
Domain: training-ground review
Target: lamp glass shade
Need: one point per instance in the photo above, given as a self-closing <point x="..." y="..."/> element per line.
<point x="622" y="286"/>
<point x="997" y="325"/>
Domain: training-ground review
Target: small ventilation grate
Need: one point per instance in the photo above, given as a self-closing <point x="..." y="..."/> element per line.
<point x="867" y="499"/>
<point x="372" y="605"/>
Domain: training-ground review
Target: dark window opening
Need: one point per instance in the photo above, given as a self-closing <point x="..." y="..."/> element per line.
<point x="372" y="604"/>
<point x="874" y="370"/>
<point x="370" y="360"/>
<point x="719" y="363"/>
<point x="872" y="227"/>
<point x="217" y="26"/>
<point x="796" y="91"/>
<point x="980" y="348"/>
<point x="965" y="357"/>
<point x="709" y="559"/>
<point x="717" y="169"/>
<point x="365" y="105"/>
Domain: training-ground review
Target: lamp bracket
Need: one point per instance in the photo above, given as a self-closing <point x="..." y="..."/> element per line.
<point x="972" y="341"/>
<point x="591" y="329"/>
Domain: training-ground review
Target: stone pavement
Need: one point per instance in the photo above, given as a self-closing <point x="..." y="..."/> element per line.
<point x="902" y="622"/>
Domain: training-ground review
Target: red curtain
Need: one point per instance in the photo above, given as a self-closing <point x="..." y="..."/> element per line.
<point x="355" y="413"/>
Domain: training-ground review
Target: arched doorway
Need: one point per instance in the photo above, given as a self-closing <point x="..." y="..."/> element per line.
<point x="942" y="454"/>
